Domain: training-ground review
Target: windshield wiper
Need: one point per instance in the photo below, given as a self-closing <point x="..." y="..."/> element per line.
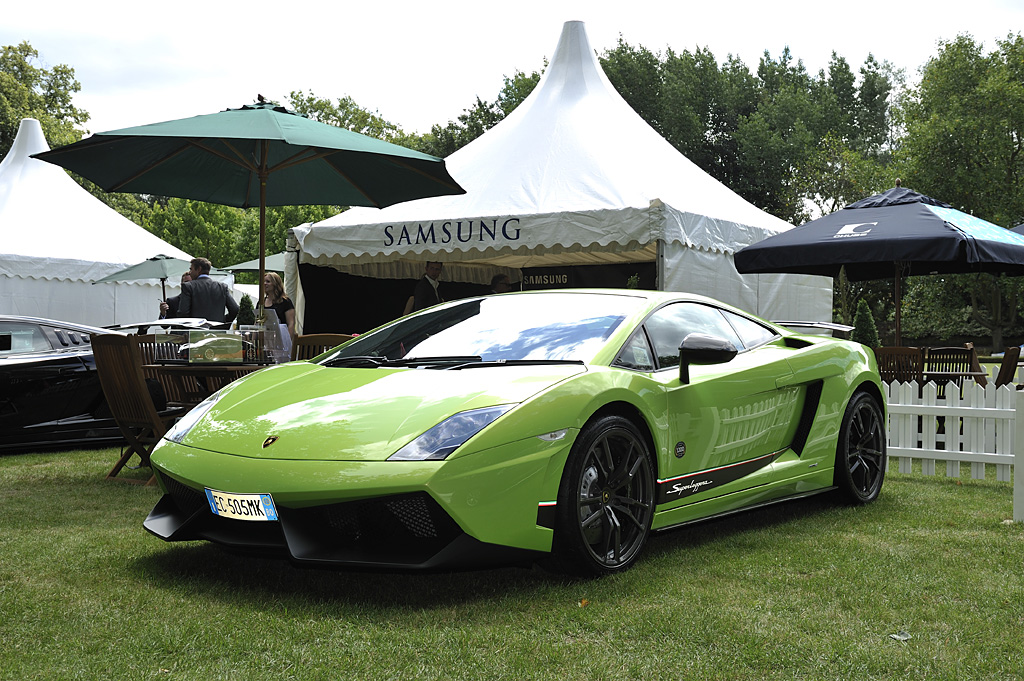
<point x="355" y="360"/>
<point x="442" y="360"/>
<point x="374" y="362"/>
<point x="518" y="363"/>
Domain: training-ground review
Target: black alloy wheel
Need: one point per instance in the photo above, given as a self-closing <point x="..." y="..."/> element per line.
<point x="606" y="499"/>
<point x="861" y="454"/>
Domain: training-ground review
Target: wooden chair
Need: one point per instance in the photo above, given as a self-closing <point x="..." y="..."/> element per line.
<point x="310" y="345"/>
<point x="119" y="366"/>
<point x="1008" y="368"/>
<point x="155" y="348"/>
<point x="900" y="365"/>
<point x="951" y="360"/>
<point x="976" y="365"/>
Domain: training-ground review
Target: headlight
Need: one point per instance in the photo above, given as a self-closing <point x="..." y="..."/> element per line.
<point x="185" y="424"/>
<point x="444" y="438"/>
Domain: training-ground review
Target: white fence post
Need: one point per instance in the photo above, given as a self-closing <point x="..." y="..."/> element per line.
<point x="1018" y="445"/>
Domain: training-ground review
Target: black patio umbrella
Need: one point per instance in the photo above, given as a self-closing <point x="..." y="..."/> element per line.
<point x="896" y="233"/>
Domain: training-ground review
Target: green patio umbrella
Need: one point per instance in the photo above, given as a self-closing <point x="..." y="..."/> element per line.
<point x="258" y="155"/>
<point x="274" y="263"/>
<point x="160" y="267"/>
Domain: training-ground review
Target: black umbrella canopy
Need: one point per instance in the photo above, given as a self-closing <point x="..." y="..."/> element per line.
<point x="899" y="227"/>
<point x="257" y="155"/>
<point x="893" y="234"/>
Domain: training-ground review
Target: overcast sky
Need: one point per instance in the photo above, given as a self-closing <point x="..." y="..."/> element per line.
<point x="421" y="63"/>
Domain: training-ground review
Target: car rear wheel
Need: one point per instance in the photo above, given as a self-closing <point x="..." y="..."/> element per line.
<point x="861" y="455"/>
<point x="606" y="499"/>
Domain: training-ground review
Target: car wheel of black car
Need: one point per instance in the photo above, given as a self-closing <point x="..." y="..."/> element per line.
<point x="860" y="455"/>
<point x="605" y="501"/>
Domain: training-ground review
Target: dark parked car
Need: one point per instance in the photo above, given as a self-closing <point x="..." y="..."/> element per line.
<point x="50" y="394"/>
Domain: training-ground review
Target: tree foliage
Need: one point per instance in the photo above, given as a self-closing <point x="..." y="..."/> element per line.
<point x="965" y="129"/>
<point x="865" y="330"/>
<point x="792" y="142"/>
<point x="444" y="140"/>
<point x="344" y="112"/>
<point x="246" y="312"/>
<point x="962" y="143"/>
<point x="30" y="90"/>
<point x="781" y="138"/>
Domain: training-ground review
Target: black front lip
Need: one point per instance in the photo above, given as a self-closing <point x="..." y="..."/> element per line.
<point x="401" y="532"/>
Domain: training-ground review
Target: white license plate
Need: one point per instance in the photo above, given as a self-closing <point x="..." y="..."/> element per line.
<point x="242" y="506"/>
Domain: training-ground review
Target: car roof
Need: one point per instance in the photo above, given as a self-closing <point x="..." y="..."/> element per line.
<point x="85" y="328"/>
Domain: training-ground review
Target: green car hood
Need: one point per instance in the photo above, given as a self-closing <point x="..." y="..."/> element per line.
<point x="346" y="414"/>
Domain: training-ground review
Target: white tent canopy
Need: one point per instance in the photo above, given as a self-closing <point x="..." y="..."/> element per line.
<point x="56" y="239"/>
<point x="573" y="176"/>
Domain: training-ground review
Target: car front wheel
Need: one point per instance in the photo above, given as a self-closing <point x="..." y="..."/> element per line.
<point x="606" y="499"/>
<point x="860" y="455"/>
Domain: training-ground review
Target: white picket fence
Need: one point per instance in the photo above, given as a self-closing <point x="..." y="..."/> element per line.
<point x="978" y="425"/>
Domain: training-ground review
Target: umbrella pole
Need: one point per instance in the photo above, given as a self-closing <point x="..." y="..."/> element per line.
<point x="898" y="296"/>
<point x="263" y="223"/>
<point x="163" y="288"/>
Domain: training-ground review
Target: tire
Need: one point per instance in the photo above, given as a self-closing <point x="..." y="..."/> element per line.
<point x="860" y="454"/>
<point x="605" y="500"/>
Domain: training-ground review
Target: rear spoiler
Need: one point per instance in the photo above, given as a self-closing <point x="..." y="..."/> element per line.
<point x="839" y="330"/>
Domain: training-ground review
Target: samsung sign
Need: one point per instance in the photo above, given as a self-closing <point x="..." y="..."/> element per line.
<point x="457" y="231"/>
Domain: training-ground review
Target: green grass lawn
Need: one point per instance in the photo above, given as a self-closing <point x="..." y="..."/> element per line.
<point x="805" y="590"/>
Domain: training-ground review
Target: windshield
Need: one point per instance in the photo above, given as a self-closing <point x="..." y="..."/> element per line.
<point x="532" y="327"/>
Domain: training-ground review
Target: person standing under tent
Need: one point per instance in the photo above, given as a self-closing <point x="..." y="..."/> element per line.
<point x="426" y="292"/>
<point x="500" y="283"/>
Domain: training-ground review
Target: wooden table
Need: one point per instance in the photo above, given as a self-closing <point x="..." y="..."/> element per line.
<point x="190" y="384"/>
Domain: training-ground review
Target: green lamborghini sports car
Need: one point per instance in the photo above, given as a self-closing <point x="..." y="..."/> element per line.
<point x="560" y="427"/>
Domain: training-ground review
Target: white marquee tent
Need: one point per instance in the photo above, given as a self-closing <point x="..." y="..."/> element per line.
<point x="573" y="176"/>
<point x="56" y="239"/>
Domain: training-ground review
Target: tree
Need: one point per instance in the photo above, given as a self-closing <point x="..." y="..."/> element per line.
<point x="246" y="313"/>
<point x="965" y="129"/>
<point x="444" y="140"/>
<point x="345" y="113"/>
<point x="962" y="305"/>
<point x="963" y="144"/>
<point x="777" y="137"/>
<point x="29" y="90"/>
<point x="865" y="330"/>
<point x="636" y="73"/>
<point x="203" y="229"/>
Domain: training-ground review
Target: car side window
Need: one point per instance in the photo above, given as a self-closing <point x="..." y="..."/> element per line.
<point x="751" y="333"/>
<point x="636" y="353"/>
<point x="668" y="326"/>
<point x="17" y="337"/>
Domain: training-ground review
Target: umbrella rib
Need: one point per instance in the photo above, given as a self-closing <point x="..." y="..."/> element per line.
<point x="295" y="159"/>
<point x="190" y="142"/>
<point x="238" y="159"/>
<point x="355" y="186"/>
<point x="425" y="174"/>
<point x="148" y="168"/>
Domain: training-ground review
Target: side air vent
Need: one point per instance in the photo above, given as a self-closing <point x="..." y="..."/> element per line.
<point x="797" y="343"/>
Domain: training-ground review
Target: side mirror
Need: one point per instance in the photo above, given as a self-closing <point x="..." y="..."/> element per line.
<point x="701" y="348"/>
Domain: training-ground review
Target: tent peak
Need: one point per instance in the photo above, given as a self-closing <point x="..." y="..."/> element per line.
<point x="29" y="140"/>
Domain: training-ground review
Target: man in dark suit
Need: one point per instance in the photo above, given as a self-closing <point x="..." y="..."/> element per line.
<point x="426" y="292"/>
<point x="204" y="297"/>
<point x="169" y="307"/>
